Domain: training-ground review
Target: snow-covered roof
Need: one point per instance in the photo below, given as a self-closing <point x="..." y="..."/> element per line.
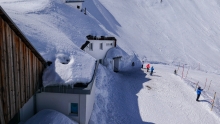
<point x="69" y="69"/>
<point x="19" y="33"/>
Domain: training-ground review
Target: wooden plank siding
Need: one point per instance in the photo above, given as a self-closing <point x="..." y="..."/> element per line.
<point x="2" y="120"/>
<point x="21" y="69"/>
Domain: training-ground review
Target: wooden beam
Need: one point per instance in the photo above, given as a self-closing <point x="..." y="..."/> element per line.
<point x="15" y="45"/>
<point x="34" y="74"/>
<point x="2" y="120"/>
<point x="29" y="74"/>
<point x="10" y="71"/>
<point x="13" y="68"/>
<point x="21" y="76"/>
<point x="5" y="89"/>
<point x="25" y="72"/>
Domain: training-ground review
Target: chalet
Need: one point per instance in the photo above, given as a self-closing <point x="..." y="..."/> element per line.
<point x="21" y="68"/>
<point x="75" y="3"/>
<point x="98" y="47"/>
<point x="21" y="87"/>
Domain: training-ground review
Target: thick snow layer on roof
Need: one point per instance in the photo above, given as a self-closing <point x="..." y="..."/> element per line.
<point x="49" y="116"/>
<point x="52" y="28"/>
<point x="68" y="69"/>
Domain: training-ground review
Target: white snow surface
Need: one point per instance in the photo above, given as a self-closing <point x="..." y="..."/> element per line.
<point x="49" y="116"/>
<point x="168" y="35"/>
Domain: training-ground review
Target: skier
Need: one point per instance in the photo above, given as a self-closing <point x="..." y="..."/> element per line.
<point x="151" y="70"/>
<point x="175" y="71"/>
<point x="199" y="90"/>
<point x="148" y="67"/>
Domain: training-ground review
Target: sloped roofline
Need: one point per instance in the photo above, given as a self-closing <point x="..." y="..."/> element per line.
<point x="90" y="37"/>
<point x="18" y="32"/>
<point x="74" y="1"/>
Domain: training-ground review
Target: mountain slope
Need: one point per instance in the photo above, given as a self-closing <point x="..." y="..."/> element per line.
<point x="171" y="32"/>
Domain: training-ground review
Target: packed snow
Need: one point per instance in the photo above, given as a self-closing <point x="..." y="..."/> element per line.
<point x="48" y="116"/>
<point x="172" y="34"/>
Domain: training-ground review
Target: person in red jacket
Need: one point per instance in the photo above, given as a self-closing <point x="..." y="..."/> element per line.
<point x="148" y="67"/>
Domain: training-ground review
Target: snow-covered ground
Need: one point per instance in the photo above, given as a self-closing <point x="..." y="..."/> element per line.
<point x="164" y="98"/>
<point x="48" y="116"/>
<point x="167" y="34"/>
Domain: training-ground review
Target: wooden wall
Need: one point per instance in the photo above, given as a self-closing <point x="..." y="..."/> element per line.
<point x="20" y="72"/>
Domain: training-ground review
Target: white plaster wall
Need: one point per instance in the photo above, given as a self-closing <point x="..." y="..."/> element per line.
<point x="83" y="108"/>
<point x="59" y="102"/>
<point x="97" y="52"/>
<point x="90" y="102"/>
<point x="27" y="111"/>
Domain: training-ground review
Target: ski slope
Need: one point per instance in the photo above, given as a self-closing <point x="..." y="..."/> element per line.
<point x="171" y="32"/>
<point x="164" y="98"/>
<point x="175" y="99"/>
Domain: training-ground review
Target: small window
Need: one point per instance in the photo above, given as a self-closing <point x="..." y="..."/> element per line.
<point x="100" y="61"/>
<point x="74" y="109"/>
<point x="91" y="46"/>
<point x="101" y="46"/>
<point x="78" y="7"/>
<point x="108" y="44"/>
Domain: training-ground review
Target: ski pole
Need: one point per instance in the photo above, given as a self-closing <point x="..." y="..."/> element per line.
<point x="182" y="71"/>
<point x="213" y="101"/>
<point x="205" y="83"/>
<point x="187" y="72"/>
<point x="209" y="84"/>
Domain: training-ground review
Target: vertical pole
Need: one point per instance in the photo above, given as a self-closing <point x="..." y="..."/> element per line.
<point x="187" y="72"/>
<point x="210" y="84"/>
<point x="205" y="83"/>
<point x="196" y="85"/>
<point x="182" y="71"/>
<point x="178" y="67"/>
<point x="213" y="101"/>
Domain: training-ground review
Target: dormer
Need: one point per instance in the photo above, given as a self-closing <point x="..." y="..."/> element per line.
<point x="98" y="46"/>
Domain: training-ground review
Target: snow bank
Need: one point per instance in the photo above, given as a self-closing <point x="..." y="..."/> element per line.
<point x="48" y="116"/>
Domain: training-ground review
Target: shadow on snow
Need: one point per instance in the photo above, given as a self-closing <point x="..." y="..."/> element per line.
<point x="123" y="101"/>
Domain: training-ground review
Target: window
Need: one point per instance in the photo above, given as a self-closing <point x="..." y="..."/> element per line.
<point x="91" y="46"/>
<point x="108" y="44"/>
<point x="78" y="7"/>
<point x="100" y="61"/>
<point x="101" y="46"/>
<point x="74" y="109"/>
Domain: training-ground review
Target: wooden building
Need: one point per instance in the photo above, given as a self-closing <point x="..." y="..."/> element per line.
<point x="21" y="68"/>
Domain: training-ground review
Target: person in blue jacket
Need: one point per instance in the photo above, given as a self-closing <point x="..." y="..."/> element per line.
<point x="151" y="70"/>
<point x="199" y="90"/>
